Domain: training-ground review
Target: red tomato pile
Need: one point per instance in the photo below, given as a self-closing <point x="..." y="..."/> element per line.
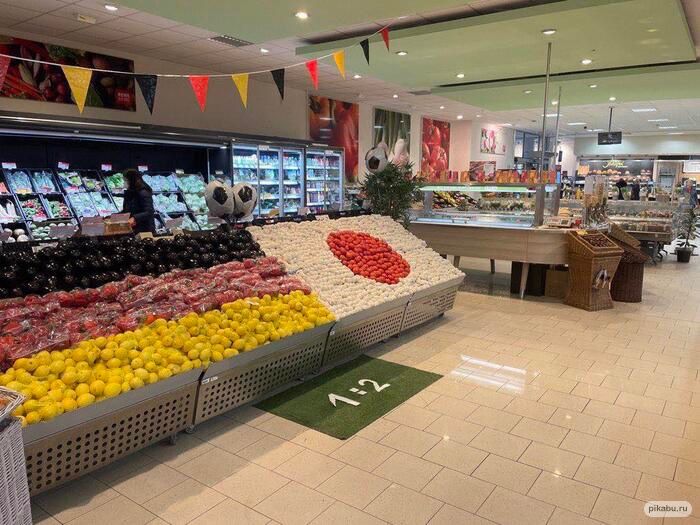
<point x="368" y="256"/>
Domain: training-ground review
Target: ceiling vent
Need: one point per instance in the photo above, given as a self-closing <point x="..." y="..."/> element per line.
<point x="230" y="41"/>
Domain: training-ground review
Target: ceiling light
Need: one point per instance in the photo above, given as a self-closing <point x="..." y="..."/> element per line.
<point x="586" y="61"/>
<point x="264" y="51"/>
<point x="460" y="75"/>
<point x="402" y="53"/>
<point x="508" y="124"/>
<point x="548" y="32"/>
<point x="302" y="15"/>
<point x="555" y="102"/>
<point x="593" y="86"/>
<point x="527" y="91"/>
<point x="442" y="107"/>
<point x="356" y="76"/>
<point x="598" y="130"/>
<point x="110" y="7"/>
<point x="576" y="124"/>
<point x="612" y="99"/>
<point x="676" y="133"/>
<point x="643" y="110"/>
<point x="668" y="127"/>
<point x="460" y="117"/>
<point x="652" y="30"/>
<point x="395" y="95"/>
<point x="657" y="120"/>
<point x="478" y="116"/>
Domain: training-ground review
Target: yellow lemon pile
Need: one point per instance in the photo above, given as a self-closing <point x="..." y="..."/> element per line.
<point x="63" y="381"/>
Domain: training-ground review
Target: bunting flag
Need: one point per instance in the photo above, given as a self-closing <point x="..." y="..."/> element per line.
<point x="241" y="82"/>
<point x="200" y="86"/>
<point x="278" y="77"/>
<point x="4" y="66"/>
<point x="147" y="85"/>
<point x="79" y="81"/>
<point x="339" y="58"/>
<point x="385" y="37"/>
<point x="365" y="48"/>
<point x="312" y="66"/>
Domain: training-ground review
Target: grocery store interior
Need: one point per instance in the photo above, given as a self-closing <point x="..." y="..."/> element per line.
<point x="301" y="262"/>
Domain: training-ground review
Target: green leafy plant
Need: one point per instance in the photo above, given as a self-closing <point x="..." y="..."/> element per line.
<point x="688" y="229"/>
<point x="392" y="191"/>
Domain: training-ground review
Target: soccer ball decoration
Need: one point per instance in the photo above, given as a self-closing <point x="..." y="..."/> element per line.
<point x="377" y="158"/>
<point x="246" y="199"/>
<point x="219" y="198"/>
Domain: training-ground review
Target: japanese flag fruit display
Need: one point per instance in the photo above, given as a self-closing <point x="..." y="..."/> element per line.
<point x="219" y="199"/>
<point x="349" y="281"/>
<point x="246" y="198"/>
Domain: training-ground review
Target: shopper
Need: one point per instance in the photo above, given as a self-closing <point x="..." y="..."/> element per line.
<point x="138" y="202"/>
<point x="691" y="193"/>
<point x="636" y="189"/>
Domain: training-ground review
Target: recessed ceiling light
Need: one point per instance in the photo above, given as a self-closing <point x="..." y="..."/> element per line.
<point x="676" y="133"/>
<point x="555" y="102"/>
<point x="657" y="120"/>
<point x="460" y="117"/>
<point x="652" y="30"/>
<point x="402" y="53"/>
<point x="668" y="127"/>
<point x="643" y="110"/>
<point x="548" y="32"/>
<point x="356" y="76"/>
<point x="460" y="75"/>
<point x="552" y="115"/>
<point x="301" y="15"/>
<point x="598" y="130"/>
<point x="576" y="124"/>
<point x="593" y="86"/>
<point x="478" y="116"/>
<point x="264" y="51"/>
<point x="395" y="95"/>
<point x="586" y="61"/>
<point x="527" y="91"/>
<point x="110" y="7"/>
<point x="508" y="124"/>
<point x="442" y="107"/>
<point x="612" y="99"/>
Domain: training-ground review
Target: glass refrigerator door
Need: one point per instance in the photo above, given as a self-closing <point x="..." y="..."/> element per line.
<point x="245" y="165"/>
<point x="269" y="175"/>
<point x="315" y="180"/>
<point x="334" y="180"/>
<point x="293" y="180"/>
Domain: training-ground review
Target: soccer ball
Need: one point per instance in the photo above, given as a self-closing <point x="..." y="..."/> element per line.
<point x="219" y="198"/>
<point x="376" y="159"/>
<point x="246" y="199"/>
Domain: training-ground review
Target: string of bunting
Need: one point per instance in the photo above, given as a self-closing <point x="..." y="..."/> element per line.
<point x="79" y="78"/>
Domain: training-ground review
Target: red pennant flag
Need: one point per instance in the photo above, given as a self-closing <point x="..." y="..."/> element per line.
<point x="200" y="86"/>
<point x="312" y="66"/>
<point x="4" y="65"/>
<point x="385" y="37"/>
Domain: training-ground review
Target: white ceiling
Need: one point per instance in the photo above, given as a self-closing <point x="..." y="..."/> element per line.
<point x="130" y="32"/>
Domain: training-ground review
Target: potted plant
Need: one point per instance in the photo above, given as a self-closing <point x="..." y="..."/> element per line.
<point x="392" y="191"/>
<point x="687" y="228"/>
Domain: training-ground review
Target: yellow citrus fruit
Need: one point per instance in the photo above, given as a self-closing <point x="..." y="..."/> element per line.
<point x="85" y="400"/>
<point x="112" y="390"/>
<point x="69" y="404"/>
<point x="97" y="387"/>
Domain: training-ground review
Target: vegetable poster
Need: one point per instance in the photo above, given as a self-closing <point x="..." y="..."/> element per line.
<point x="435" y="146"/>
<point x="45" y="83"/>
<point x="337" y="124"/>
<point x="394" y="130"/>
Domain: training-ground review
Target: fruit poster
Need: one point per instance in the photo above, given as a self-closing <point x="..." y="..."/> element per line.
<point x="45" y="83"/>
<point x="394" y="130"/>
<point x="493" y="141"/>
<point x="435" y="146"/>
<point x="337" y="124"/>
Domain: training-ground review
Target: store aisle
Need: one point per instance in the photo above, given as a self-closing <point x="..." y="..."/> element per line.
<point x="546" y="414"/>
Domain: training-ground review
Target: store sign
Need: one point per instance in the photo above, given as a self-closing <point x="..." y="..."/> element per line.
<point x="106" y="167"/>
<point x="9" y="165"/>
<point x="609" y="138"/>
<point x="614" y="163"/>
<point x="689" y="166"/>
<point x="63" y="166"/>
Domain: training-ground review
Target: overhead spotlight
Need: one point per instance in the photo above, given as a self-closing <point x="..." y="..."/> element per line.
<point x="586" y="61"/>
<point x="264" y="51"/>
<point x="460" y="117"/>
<point x="460" y="75"/>
<point x="395" y="95"/>
<point x="548" y="32"/>
<point x="442" y="107"/>
<point x="356" y="76"/>
<point x="302" y="15"/>
<point x="478" y="116"/>
<point x="593" y="86"/>
<point x="402" y="53"/>
<point x="112" y="8"/>
<point x="612" y="99"/>
<point x="527" y="91"/>
<point x="555" y="102"/>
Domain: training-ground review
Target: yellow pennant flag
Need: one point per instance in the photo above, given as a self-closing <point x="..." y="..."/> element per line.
<point x="79" y="81"/>
<point x="339" y="57"/>
<point x="241" y="82"/>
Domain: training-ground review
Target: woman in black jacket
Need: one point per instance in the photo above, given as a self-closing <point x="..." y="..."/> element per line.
<point x="138" y="202"/>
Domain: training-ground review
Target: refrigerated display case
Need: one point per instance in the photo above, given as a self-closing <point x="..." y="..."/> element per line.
<point x="324" y="179"/>
<point x="269" y="169"/>
<point x="292" y="181"/>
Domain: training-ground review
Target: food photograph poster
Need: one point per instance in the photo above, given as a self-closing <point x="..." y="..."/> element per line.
<point x="394" y="130"/>
<point x="435" y="147"/>
<point x="337" y="124"/>
<point x="493" y="141"/>
<point x="47" y="83"/>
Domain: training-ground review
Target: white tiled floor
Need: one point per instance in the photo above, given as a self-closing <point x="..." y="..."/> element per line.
<point x="546" y="414"/>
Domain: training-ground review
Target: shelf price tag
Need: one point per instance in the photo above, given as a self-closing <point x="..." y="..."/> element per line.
<point x="61" y="232"/>
<point x="92" y="226"/>
<point x="143" y="168"/>
<point x="9" y="165"/>
<point x="4" y="236"/>
<point x="63" y="165"/>
<point x="215" y="220"/>
<point x="179" y="171"/>
<point x="105" y="167"/>
<point x="172" y="224"/>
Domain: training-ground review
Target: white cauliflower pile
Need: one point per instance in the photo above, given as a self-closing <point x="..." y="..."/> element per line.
<point x="303" y="247"/>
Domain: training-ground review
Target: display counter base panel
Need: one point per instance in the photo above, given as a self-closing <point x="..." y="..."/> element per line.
<point x="353" y="334"/>
<point x="582" y="274"/>
<point x="430" y="303"/>
<point x="82" y="441"/>
<point x="15" y="507"/>
<point x="251" y="376"/>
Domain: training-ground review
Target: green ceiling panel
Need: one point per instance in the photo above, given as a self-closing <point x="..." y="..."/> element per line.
<point x="263" y="20"/>
<point x="509" y="44"/>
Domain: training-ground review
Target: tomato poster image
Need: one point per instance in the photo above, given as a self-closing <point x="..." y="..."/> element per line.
<point x="337" y="124"/>
<point x="435" y="146"/>
<point x="32" y="81"/>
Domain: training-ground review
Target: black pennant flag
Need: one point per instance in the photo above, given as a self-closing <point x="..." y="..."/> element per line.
<point x="148" y="84"/>
<point x="278" y="77"/>
<point x="365" y="48"/>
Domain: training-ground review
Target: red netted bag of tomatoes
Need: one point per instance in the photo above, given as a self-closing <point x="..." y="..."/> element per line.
<point x="368" y="256"/>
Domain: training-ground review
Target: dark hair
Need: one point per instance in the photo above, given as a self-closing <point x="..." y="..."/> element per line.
<point x="134" y="180"/>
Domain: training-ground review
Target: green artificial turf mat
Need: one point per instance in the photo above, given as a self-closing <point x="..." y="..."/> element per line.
<point x="359" y="391"/>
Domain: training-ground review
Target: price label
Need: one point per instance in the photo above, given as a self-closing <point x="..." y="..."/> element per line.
<point x="218" y="172"/>
<point x="143" y="168"/>
<point x="172" y="224"/>
<point x="61" y="232"/>
<point x="215" y="220"/>
<point x="63" y="165"/>
<point x="106" y="167"/>
<point x="118" y="218"/>
<point x="179" y="172"/>
<point x="4" y="236"/>
<point x="304" y="211"/>
<point x="264" y="148"/>
<point x="92" y="226"/>
<point x="9" y="165"/>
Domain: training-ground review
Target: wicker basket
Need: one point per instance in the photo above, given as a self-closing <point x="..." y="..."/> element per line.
<point x="15" y="507"/>
<point x="586" y="289"/>
<point x="593" y="244"/>
<point x="629" y="278"/>
<point x="9" y="400"/>
<point x="618" y="234"/>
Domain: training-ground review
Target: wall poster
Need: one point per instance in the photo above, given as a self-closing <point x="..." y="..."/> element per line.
<point x="337" y="124"/>
<point x="493" y="141"/>
<point x="435" y="147"/>
<point x="45" y="83"/>
<point x="394" y="130"/>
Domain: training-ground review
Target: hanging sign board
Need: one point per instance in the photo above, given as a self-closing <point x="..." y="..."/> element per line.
<point x="143" y="168"/>
<point x="9" y="165"/>
<point x="691" y="166"/>
<point x="63" y="166"/>
<point x="609" y="138"/>
<point x="106" y="167"/>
